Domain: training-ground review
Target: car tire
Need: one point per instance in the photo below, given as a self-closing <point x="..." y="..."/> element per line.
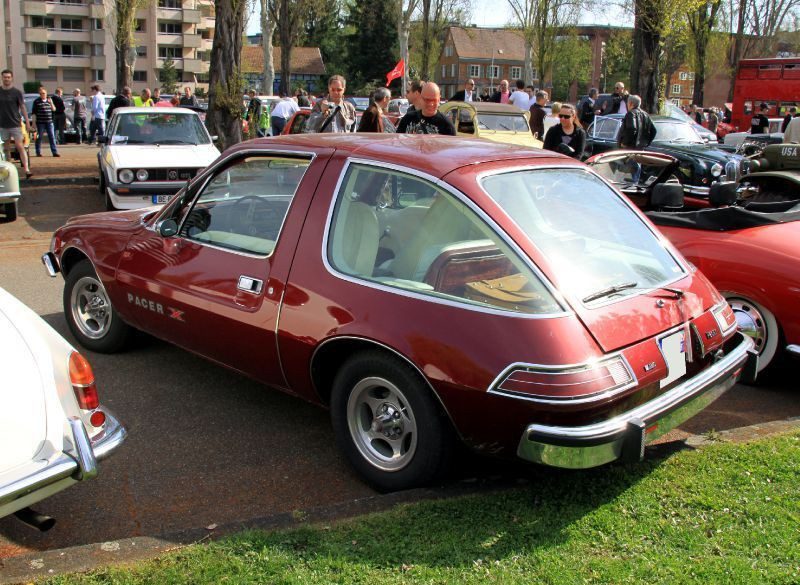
<point x="104" y="192"/>
<point x="760" y="325"/>
<point x="10" y="210"/>
<point x="89" y="312"/>
<point x="410" y="444"/>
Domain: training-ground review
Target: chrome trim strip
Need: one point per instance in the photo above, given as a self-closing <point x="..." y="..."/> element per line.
<point x="558" y="297"/>
<point x="793" y="349"/>
<point x="51" y="264"/>
<point x="87" y="464"/>
<point x="606" y="433"/>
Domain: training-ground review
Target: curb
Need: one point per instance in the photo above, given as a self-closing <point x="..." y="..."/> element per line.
<point x="38" y="182"/>
<point x="82" y="558"/>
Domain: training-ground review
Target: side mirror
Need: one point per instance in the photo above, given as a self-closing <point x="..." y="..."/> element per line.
<point x="167" y="228"/>
<point x="102" y="139"/>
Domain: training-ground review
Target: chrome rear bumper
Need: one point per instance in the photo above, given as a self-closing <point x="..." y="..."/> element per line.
<point x="625" y="436"/>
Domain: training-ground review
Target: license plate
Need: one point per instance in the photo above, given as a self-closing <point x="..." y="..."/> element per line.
<point x="158" y="199"/>
<point x="673" y="347"/>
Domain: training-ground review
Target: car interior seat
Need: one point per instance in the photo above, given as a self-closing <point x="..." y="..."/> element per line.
<point x="722" y="194"/>
<point x="355" y="245"/>
<point x="667" y="197"/>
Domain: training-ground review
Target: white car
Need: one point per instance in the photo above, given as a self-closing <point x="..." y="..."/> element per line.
<point x="53" y="430"/>
<point x="148" y="154"/>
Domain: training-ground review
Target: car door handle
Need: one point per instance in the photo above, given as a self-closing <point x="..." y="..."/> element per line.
<point x="250" y="284"/>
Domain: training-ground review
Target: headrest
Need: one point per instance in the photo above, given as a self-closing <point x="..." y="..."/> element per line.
<point x="722" y="193"/>
<point x="667" y="195"/>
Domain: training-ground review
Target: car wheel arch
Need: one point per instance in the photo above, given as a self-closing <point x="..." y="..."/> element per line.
<point x="331" y="354"/>
<point x="70" y="257"/>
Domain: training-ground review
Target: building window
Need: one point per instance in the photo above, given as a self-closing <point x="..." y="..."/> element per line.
<point x="72" y="50"/>
<point x="141" y="51"/>
<point x="71" y="23"/>
<point x="493" y="71"/>
<point x="141" y="25"/>
<point x="140" y="75"/>
<point x="444" y="71"/>
<point x="516" y="73"/>
<point x="43" y="48"/>
<point x="45" y="74"/>
<point x="474" y="70"/>
<point x="448" y="51"/>
<point x="170" y="53"/>
<point x="97" y="50"/>
<point x="100" y="74"/>
<point x="42" y="22"/>
<point x="453" y="70"/>
<point x="203" y="77"/>
<point x="534" y="74"/>
<point x="169" y="4"/>
<point x="97" y="24"/>
<point x="690" y="76"/>
<point x="676" y="88"/>
<point x="169" y="28"/>
<point x="72" y="74"/>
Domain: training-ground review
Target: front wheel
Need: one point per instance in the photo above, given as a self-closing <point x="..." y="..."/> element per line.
<point x="387" y="422"/>
<point x="11" y="211"/>
<point x="90" y="315"/>
<point x="758" y="323"/>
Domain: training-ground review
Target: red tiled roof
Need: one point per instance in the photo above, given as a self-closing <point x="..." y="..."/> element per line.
<point x="305" y="60"/>
<point x="477" y="43"/>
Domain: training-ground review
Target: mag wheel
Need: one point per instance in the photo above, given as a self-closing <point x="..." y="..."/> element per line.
<point x="759" y="324"/>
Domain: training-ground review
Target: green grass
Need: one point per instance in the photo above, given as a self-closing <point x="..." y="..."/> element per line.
<point x="725" y="514"/>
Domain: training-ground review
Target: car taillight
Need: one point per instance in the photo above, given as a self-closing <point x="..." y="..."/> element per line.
<point x="82" y="379"/>
<point x="566" y="383"/>
<point x="725" y="317"/>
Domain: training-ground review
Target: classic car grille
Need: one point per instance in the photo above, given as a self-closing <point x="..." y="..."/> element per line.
<point x="171" y="174"/>
<point x="732" y="171"/>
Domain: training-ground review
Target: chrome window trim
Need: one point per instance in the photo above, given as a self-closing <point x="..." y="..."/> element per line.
<point x="662" y="240"/>
<point x="557" y="296"/>
<point x="585" y="399"/>
<point x="205" y="177"/>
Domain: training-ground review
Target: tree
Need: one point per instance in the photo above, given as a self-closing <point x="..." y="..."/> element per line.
<point x="675" y="54"/>
<point x="288" y="14"/>
<point x="573" y="67"/>
<point x="168" y="76"/>
<point x="404" y="10"/>
<point x="617" y="59"/>
<point x="540" y="22"/>
<point x="435" y="16"/>
<point x="371" y="46"/>
<point x="324" y="26"/>
<point x="701" y="22"/>
<point x="267" y="32"/>
<point x="121" y="18"/>
<point x="224" y="117"/>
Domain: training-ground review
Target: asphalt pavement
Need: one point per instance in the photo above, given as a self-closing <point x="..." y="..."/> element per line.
<point x="208" y="447"/>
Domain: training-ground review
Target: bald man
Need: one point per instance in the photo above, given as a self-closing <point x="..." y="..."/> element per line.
<point x="427" y="120"/>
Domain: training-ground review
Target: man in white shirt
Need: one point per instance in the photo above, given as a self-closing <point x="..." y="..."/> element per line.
<point x="520" y="97"/>
<point x="792" y="134"/>
<point x="281" y="113"/>
<point x="467" y="94"/>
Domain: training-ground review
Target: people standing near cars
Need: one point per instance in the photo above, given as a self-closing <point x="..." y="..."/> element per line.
<point x="43" y="109"/>
<point x="332" y="113"/>
<point x="467" y="94"/>
<point x="520" y="97"/>
<point x="373" y="118"/>
<point x="502" y="94"/>
<point x="156" y="97"/>
<point x="12" y="110"/>
<point x="586" y="108"/>
<point x="618" y="104"/>
<point x="187" y="99"/>
<point x="302" y="99"/>
<point x="280" y="114"/>
<point x="121" y="100"/>
<point x="713" y="120"/>
<point x="98" y="108"/>
<point x="567" y="137"/>
<point x="144" y="100"/>
<point x="79" y="114"/>
<point x="414" y="95"/>
<point x="638" y="130"/>
<point x="538" y="114"/>
<point x="551" y="119"/>
<point x="788" y="118"/>
<point x="759" y="124"/>
<point x="792" y="133"/>
<point x="59" y="114"/>
<point x="428" y="120"/>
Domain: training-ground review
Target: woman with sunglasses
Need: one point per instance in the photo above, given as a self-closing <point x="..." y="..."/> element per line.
<point x="567" y="137"/>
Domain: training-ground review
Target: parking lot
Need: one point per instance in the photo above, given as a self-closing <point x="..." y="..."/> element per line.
<point x="208" y="446"/>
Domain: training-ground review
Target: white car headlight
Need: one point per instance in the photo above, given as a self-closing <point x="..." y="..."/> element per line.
<point x="126" y="176"/>
<point x="141" y="175"/>
<point x="716" y="170"/>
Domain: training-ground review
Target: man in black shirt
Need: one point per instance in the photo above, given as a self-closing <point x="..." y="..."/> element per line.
<point x="59" y="115"/>
<point x="428" y="120"/>
<point x="788" y="118"/>
<point x="759" y="124"/>
<point x="11" y="104"/>
<point x="638" y="129"/>
<point x="121" y="100"/>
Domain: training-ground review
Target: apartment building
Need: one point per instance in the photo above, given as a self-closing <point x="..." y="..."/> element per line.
<point x="69" y="42"/>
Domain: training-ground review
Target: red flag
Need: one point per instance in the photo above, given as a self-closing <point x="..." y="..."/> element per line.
<point x="398" y="71"/>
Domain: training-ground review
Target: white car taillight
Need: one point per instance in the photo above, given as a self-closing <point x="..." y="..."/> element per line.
<point x="81" y="377"/>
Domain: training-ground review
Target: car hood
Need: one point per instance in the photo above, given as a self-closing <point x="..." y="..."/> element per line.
<point x="135" y="156"/>
<point x="518" y="138"/>
<point x="23" y="411"/>
<point x="706" y="151"/>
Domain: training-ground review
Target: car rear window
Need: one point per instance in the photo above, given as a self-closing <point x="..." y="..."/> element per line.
<point x="592" y="239"/>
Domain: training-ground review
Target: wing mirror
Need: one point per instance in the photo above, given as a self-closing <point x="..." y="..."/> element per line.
<point x="167" y="228"/>
<point x="214" y="138"/>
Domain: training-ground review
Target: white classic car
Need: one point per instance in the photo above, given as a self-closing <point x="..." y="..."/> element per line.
<point x="53" y="430"/>
<point x="148" y="154"/>
<point x="9" y="187"/>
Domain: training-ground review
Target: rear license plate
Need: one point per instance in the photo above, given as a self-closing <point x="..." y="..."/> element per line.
<point x="673" y="347"/>
<point x="158" y="199"/>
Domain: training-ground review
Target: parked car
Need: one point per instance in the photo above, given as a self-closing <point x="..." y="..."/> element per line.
<point x="359" y="103"/>
<point x="672" y="111"/>
<point x="774" y="136"/>
<point x="297" y="123"/>
<point x="9" y="187"/>
<point x="774" y="174"/>
<point x="422" y="288"/>
<point x="148" y="154"/>
<point x="52" y="426"/>
<point x="496" y="122"/>
<point x="398" y="106"/>
<point x="747" y="249"/>
<point x="700" y="163"/>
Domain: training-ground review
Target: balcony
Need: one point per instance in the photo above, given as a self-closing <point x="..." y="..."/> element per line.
<point x="67" y="9"/>
<point x="192" y="41"/>
<point x="177" y="61"/>
<point x="170" y="40"/>
<point x="71" y="61"/>
<point x="191" y="16"/>
<point x="34" y="8"/>
<point x="98" y="61"/>
<point x="195" y="66"/>
<point x="97" y="37"/>
<point x="35" y="35"/>
<point x="71" y="36"/>
<point x="169" y="14"/>
<point x="97" y="11"/>
<point x="36" y="61"/>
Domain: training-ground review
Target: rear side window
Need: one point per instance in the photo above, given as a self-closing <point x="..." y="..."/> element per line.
<point x="401" y="231"/>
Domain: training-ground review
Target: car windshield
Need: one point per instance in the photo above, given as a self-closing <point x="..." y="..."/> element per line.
<point x="668" y="131"/>
<point x="630" y="169"/>
<point x="605" y="128"/>
<point x="361" y="103"/>
<point x="160" y="128"/>
<point x="589" y="235"/>
<point x="503" y="122"/>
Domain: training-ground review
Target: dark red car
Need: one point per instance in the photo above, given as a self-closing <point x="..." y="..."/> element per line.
<point x="422" y="288"/>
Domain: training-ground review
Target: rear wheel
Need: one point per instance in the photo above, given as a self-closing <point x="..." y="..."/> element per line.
<point x="387" y="422"/>
<point x="90" y="315"/>
<point x="760" y="325"/>
<point x="10" y="211"/>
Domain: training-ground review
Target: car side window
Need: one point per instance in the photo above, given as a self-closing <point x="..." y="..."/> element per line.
<point x="242" y="207"/>
<point x="402" y="231"/>
<point x="465" y="122"/>
<point x="605" y="128"/>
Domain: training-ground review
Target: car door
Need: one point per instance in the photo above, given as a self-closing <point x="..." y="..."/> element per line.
<point x="215" y="286"/>
<point x="602" y="135"/>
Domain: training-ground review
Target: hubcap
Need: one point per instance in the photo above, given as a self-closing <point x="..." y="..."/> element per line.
<point x="91" y="309"/>
<point x="382" y="424"/>
<point x="750" y="322"/>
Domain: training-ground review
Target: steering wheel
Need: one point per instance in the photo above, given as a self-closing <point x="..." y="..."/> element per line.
<point x="252" y="215"/>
